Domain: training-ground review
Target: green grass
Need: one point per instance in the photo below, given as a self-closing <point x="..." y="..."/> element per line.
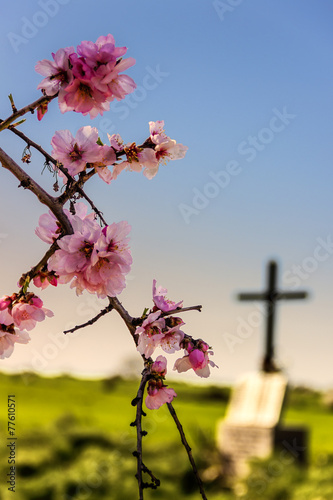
<point x="75" y="434"/>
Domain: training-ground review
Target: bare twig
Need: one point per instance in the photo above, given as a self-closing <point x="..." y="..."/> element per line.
<point x="188" y="449"/>
<point x="92" y="320"/>
<point x="27" y="109"/>
<point x="141" y="467"/>
<point x="34" y="270"/>
<point x="128" y="320"/>
<point x="181" y="310"/>
<point x="14" y="109"/>
<point x="74" y="186"/>
<point x="28" y="182"/>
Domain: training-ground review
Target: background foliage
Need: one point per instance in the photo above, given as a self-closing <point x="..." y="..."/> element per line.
<point x="73" y="443"/>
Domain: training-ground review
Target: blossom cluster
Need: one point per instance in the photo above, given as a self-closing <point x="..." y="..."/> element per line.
<point x="88" y="79"/>
<point x="18" y="315"/>
<point x="156" y="150"/>
<point x="161" y="329"/>
<point x="158" y="392"/>
<point x="92" y="258"/>
<point x="86" y="150"/>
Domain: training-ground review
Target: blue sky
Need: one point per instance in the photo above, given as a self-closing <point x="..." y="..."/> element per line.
<point x="247" y="86"/>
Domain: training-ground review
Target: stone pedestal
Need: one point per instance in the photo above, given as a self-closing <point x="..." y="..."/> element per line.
<point x="249" y="429"/>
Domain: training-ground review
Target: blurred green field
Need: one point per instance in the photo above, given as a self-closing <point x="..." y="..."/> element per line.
<point x="74" y="441"/>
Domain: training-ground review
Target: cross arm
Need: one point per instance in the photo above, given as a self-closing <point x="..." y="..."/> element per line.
<point x="252" y="296"/>
<point x="292" y="295"/>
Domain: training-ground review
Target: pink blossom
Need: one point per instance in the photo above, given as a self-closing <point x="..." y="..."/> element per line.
<point x="172" y="338"/>
<point x="160" y="300"/>
<point x="27" y="314"/>
<point x="5" y="307"/>
<point x="5" y="302"/>
<point x="150" y="334"/>
<point x="81" y="211"/>
<point x="49" y="228"/>
<point x="159" y="366"/>
<point x="110" y="261"/>
<point x="156" y="331"/>
<point x="165" y="148"/>
<point x="44" y="279"/>
<point x="57" y="72"/>
<point x="197" y="358"/>
<point x="75" y="249"/>
<point x="107" y="157"/>
<point x="120" y="87"/>
<point x="137" y="159"/>
<point x="75" y="153"/>
<point x="101" y="52"/>
<point x="113" y="85"/>
<point x="156" y="130"/>
<point x="83" y="97"/>
<point x="158" y="393"/>
<point x="116" y="142"/>
<point x="157" y="396"/>
<point x="80" y="69"/>
<point x="8" y="336"/>
<point x="169" y="150"/>
<point x="92" y="259"/>
<point x="87" y="81"/>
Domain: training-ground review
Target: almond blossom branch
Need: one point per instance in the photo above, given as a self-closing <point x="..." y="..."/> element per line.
<point x="104" y="311"/>
<point x="28" y="182"/>
<point x="27" y="109"/>
<point x="73" y="186"/>
<point x="188" y="449"/>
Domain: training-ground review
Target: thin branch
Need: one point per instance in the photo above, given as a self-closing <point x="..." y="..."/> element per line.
<point x="155" y="482"/>
<point x="181" y="310"/>
<point x="27" y="109"/>
<point x="28" y="182"/>
<point x="138" y="423"/>
<point x="104" y="311"/>
<point x="34" y="270"/>
<point x="74" y="186"/>
<point x="188" y="449"/>
<point x="114" y="302"/>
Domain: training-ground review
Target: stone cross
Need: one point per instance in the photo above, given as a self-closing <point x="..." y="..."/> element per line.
<point x="271" y="295"/>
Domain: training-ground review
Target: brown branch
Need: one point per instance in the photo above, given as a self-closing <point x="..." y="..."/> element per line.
<point x="34" y="270"/>
<point x="188" y="449"/>
<point x="92" y="320"/>
<point x="27" y="109"/>
<point x="181" y="310"/>
<point x="73" y="186"/>
<point x="138" y="401"/>
<point x="128" y="320"/>
<point x="28" y="182"/>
